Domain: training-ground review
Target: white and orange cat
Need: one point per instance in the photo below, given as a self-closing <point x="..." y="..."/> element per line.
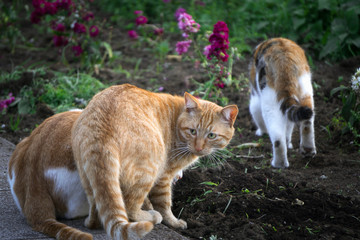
<point x="282" y="95"/>
<point x="128" y="146"/>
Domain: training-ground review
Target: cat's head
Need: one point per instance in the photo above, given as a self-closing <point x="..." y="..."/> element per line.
<point x="205" y="127"/>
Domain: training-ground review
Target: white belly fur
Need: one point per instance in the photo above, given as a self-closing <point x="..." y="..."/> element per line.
<point x="67" y="185"/>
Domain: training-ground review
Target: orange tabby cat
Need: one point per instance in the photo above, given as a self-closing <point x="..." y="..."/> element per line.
<point x="129" y="143"/>
<point x="44" y="180"/>
<point x="282" y="95"/>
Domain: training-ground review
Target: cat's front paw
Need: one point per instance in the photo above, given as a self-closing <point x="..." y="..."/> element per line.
<point x="279" y="164"/>
<point x="308" y="151"/>
<point x="157" y="218"/>
<point x="177" y="223"/>
<point x="259" y="132"/>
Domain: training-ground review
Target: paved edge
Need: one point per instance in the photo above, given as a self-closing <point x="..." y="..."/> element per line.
<point x="13" y="224"/>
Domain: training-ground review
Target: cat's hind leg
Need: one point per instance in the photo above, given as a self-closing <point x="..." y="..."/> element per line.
<point x="289" y="131"/>
<point x="276" y="125"/>
<point x="307" y="138"/>
<point x="160" y="197"/>
<point x="256" y="113"/>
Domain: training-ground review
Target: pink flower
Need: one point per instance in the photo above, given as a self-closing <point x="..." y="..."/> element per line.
<point x="5" y="103"/>
<point x="60" y="41"/>
<point x="187" y="24"/>
<point x="141" y="20"/>
<point x="138" y="12"/>
<point x="79" y="28"/>
<point x="37" y="3"/>
<point x="183" y="46"/>
<point x="94" y="31"/>
<point x="158" y="31"/>
<point x="88" y="16"/>
<point x="207" y="50"/>
<point x="133" y="34"/>
<point x="59" y="27"/>
<point x="77" y="50"/>
<point x="178" y="12"/>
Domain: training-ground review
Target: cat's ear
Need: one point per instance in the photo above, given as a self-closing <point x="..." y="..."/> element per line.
<point x="229" y="114"/>
<point x="191" y="103"/>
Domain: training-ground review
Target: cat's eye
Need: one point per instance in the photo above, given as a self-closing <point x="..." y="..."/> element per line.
<point x="211" y="135"/>
<point x="193" y="131"/>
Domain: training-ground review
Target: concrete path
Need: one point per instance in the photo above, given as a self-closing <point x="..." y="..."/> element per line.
<point x="13" y="225"/>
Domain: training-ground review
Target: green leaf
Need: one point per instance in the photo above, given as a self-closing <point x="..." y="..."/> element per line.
<point x="352" y="21"/>
<point x="338" y="89"/>
<point x="324" y="4"/>
<point x="355" y="41"/>
<point x="210" y="183"/>
<point x="330" y="47"/>
<point x="108" y="49"/>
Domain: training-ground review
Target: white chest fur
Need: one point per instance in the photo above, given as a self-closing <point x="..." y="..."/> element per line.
<point x="68" y="186"/>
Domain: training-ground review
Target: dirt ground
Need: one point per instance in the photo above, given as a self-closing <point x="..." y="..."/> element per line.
<point x="314" y="198"/>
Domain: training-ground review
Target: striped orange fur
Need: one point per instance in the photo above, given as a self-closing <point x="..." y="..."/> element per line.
<point x="129" y="144"/>
<point x="281" y="86"/>
<point x="36" y="194"/>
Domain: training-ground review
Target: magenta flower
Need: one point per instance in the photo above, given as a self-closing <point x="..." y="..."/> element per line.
<point x="138" y="12"/>
<point x="141" y="20"/>
<point x="178" y="12"/>
<point x="219" y="40"/>
<point x="64" y="4"/>
<point x="5" y="103"/>
<point x="77" y="50"/>
<point x="88" y="16"/>
<point x="94" y="31"/>
<point x="59" y="27"/>
<point x="219" y="84"/>
<point x="79" y="28"/>
<point x="60" y="41"/>
<point x="159" y="31"/>
<point x="37" y="3"/>
<point x="35" y="16"/>
<point x="183" y="46"/>
<point x="51" y="8"/>
<point x="187" y="24"/>
<point x="133" y="34"/>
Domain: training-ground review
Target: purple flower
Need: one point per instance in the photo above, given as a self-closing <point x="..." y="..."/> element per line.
<point x="133" y="34"/>
<point x="219" y="84"/>
<point x="77" y="50"/>
<point x="60" y="41"/>
<point x="138" y="12"/>
<point x="88" y="16"/>
<point x="5" y="103"/>
<point x="94" y="31"/>
<point x="160" y="89"/>
<point x="183" y="46"/>
<point x="79" y="28"/>
<point x="178" y="12"/>
<point x="141" y="20"/>
<point x="37" y="3"/>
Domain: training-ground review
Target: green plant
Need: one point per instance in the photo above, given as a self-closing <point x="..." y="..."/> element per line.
<point x="14" y="123"/>
<point x="70" y="91"/>
<point x="349" y="115"/>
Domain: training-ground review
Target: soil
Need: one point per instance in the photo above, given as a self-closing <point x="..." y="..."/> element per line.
<point x="315" y="198"/>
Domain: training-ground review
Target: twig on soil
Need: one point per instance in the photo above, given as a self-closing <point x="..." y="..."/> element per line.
<point x="246" y="156"/>
<point x="228" y="204"/>
<point x="248" y="145"/>
<point x="180" y="213"/>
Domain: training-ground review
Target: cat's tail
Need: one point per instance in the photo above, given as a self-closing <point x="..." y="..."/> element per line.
<point x="60" y="231"/>
<point x="297" y="111"/>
